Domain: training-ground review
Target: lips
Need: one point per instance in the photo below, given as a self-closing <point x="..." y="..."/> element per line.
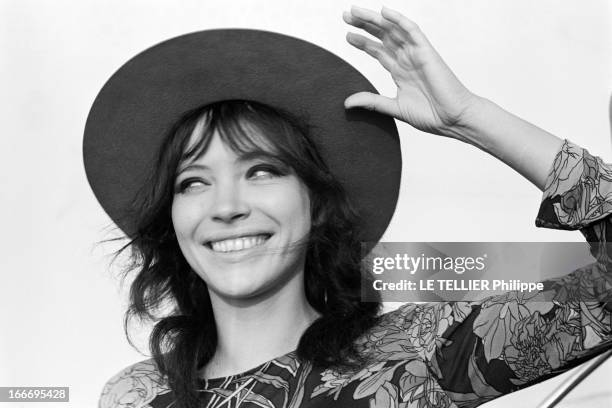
<point x="238" y="243"/>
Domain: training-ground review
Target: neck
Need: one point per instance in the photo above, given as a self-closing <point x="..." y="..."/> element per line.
<point x="251" y="332"/>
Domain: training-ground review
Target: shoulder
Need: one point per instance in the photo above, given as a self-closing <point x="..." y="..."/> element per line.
<point x="135" y="386"/>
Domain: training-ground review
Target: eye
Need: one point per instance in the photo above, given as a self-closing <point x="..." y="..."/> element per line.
<point x="264" y="172"/>
<point x="191" y="185"/>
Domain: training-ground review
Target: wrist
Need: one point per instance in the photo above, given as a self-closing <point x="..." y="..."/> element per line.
<point x="516" y="142"/>
<point x="469" y="121"/>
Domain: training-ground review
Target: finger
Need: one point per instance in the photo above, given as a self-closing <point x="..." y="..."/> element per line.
<point x="377" y="20"/>
<point x="373" y="102"/>
<point x="372" y="48"/>
<point x="357" y="22"/>
<point x="370" y="16"/>
<point x="386" y="31"/>
<point x="388" y="38"/>
<point x="411" y="29"/>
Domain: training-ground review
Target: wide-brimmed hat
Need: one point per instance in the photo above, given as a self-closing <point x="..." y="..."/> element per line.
<point x="142" y="101"/>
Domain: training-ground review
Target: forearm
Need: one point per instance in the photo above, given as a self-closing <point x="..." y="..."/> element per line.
<point x="521" y="145"/>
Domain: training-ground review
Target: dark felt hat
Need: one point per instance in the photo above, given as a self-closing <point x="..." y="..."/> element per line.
<point x="139" y="104"/>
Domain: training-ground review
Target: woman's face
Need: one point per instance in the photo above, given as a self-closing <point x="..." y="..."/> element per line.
<point x="241" y="221"/>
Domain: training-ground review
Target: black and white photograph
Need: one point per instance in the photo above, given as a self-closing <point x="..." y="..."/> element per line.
<point x="293" y="204"/>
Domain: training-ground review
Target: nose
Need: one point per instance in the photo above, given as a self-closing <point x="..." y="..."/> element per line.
<point x="229" y="204"/>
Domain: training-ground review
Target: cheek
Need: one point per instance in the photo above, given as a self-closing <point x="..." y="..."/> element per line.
<point x="185" y="221"/>
<point x="298" y="211"/>
<point x="184" y="218"/>
<point x="289" y="205"/>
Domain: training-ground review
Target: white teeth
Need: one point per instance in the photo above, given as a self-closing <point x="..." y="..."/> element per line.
<point x="238" y="244"/>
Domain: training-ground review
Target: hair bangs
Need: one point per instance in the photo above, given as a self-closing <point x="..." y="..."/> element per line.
<point x="198" y="139"/>
<point x="242" y="128"/>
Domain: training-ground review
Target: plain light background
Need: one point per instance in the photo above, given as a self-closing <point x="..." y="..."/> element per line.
<point x="61" y="304"/>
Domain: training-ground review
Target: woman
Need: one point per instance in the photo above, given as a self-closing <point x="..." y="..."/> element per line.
<point x="249" y="212"/>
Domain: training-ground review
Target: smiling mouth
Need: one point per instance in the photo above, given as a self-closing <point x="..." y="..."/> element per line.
<point x="238" y="244"/>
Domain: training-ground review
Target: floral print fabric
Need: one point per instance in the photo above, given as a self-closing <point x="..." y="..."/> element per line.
<point x="454" y="354"/>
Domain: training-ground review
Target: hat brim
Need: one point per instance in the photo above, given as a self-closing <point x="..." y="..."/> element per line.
<point x="147" y="95"/>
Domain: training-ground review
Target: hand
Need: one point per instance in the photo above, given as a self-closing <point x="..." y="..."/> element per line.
<point x="429" y="95"/>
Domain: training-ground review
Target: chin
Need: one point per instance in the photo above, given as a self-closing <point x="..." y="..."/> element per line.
<point x="242" y="293"/>
<point x="256" y="278"/>
<point x="254" y="288"/>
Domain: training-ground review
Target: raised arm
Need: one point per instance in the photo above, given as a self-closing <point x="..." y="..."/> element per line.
<point x="475" y="352"/>
<point x="447" y="354"/>
<point x="432" y="99"/>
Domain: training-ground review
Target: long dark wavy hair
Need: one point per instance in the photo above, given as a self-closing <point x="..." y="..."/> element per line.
<point x="184" y="337"/>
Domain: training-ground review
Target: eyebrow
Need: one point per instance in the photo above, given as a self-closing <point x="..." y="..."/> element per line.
<point x="246" y="157"/>
<point x="192" y="166"/>
<point x="258" y="155"/>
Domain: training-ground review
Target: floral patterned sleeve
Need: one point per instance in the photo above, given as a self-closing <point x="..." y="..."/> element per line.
<point x="465" y="354"/>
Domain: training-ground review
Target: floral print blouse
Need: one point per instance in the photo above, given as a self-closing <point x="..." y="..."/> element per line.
<point x="454" y="354"/>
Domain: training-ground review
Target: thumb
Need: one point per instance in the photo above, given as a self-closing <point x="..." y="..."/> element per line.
<point x="372" y="101"/>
